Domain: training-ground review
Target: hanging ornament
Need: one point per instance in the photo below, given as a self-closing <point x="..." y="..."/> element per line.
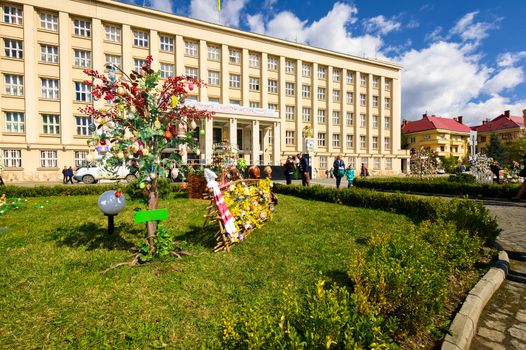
<point x="181" y="133"/>
<point x="133" y="109"/>
<point x="145" y="152"/>
<point x="141" y="185"/>
<point x="201" y="131"/>
<point x="120" y="155"/>
<point x="157" y="124"/>
<point x="121" y="91"/>
<point x="175" y="101"/>
<point x="168" y="135"/>
<point x="190" y="86"/>
<point x="110" y="124"/>
<point x="120" y="107"/>
<point x="198" y="151"/>
<point x="193" y="125"/>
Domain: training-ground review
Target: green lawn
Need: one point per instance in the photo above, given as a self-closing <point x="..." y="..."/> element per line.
<point x="54" y="294"/>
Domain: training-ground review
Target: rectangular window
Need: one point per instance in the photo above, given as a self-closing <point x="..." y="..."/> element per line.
<point x="335" y="95"/>
<point x="305" y="91"/>
<point x="253" y="84"/>
<point x="336" y="140"/>
<point x="306" y="70"/>
<point x="166" y="43"/>
<point x="82" y="27"/>
<point x="273" y="86"/>
<point x="273" y="106"/>
<point x="321" y="139"/>
<point x="363" y="80"/>
<point x="362" y="142"/>
<point x="387" y="122"/>
<point x="213" y="78"/>
<point x="387" y="103"/>
<point x="13" y="48"/>
<point x="289" y="137"/>
<point x="375" y="142"/>
<point x="336" y="75"/>
<point x="349" y="118"/>
<point x="388" y="163"/>
<point x="14" y="85"/>
<point x="387" y="85"/>
<point x="306" y="114"/>
<point x="12" y="158"/>
<point x="253" y="104"/>
<point x="49" y="88"/>
<point x="48" y="159"/>
<point x="376" y="82"/>
<point x="254" y="60"/>
<point x="167" y="70"/>
<point x="321" y="93"/>
<point x="375" y="122"/>
<point x="82" y="92"/>
<point x="350" y="98"/>
<point x="322" y="72"/>
<point x="234" y="56"/>
<point x="363" y="121"/>
<point x="323" y="162"/>
<point x="235" y="81"/>
<point x="336" y="117"/>
<point x="138" y="63"/>
<point x="14" y="122"/>
<point x="273" y="63"/>
<point x="82" y="126"/>
<point x="114" y="60"/>
<point x="190" y="48"/>
<point x="50" y="124"/>
<point x="214" y="53"/>
<point x="289" y="89"/>
<point x="191" y="72"/>
<point x="112" y="33"/>
<point x="49" y="53"/>
<point x="82" y="58"/>
<point x="49" y="21"/>
<point x="140" y="38"/>
<point x="81" y="158"/>
<point x="349" y="78"/>
<point x="363" y="100"/>
<point x="289" y="113"/>
<point x="289" y="66"/>
<point x="375" y="101"/>
<point x="377" y="163"/>
<point x="12" y="15"/>
<point x="213" y="100"/>
<point x="321" y="116"/>
<point x="349" y="141"/>
<point x="387" y="143"/>
<point x="365" y="161"/>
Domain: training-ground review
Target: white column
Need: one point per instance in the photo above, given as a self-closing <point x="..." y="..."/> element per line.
<point x="203" y="70"/>
<point x="179" y="55"/>
<point x="266" y="146"/>
<point x="127" y="42"/>
<point x="330" y="127"/>
<point x="300" y="146"/>
<point x="154" y="49"/>
<point x="314" y="112"/>
<point x="276" y="144"/>
<point x="381" y="116"/>
<point x="225" y="76"/>
<point x="245" y="101"/>
<point x="209" y="140"/>
<point x="395" y="113"/>
<point x="232" y="132"/>
<point x="31" y="81"/>
<point x="255" y="142"/>
<point x="356" y="100"/>
<point x="264" y="80"/>
<point x="66" y="84"/>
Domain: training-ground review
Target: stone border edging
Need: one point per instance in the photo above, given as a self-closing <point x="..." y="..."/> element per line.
<point x="464" y="325"/>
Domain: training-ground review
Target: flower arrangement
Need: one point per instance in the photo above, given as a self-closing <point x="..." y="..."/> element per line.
<point x="481" y="167"/>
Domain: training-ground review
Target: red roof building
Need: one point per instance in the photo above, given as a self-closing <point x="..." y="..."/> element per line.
<point x="505" y="126"/>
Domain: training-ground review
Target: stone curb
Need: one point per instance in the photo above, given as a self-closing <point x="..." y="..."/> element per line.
<point x="464" y="325"/>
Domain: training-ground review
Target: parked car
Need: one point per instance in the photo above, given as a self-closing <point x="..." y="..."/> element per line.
<point x="92" y="173"/>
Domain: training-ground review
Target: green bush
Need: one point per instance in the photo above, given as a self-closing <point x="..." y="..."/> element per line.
<point x="164" y="188"/>
<point x="461" y="177"/>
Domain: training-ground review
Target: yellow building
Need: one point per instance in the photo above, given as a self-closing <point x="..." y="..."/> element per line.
<point x="446" y="136"/>
<point x="506" y="127"/>
<point x="266" y="92"/>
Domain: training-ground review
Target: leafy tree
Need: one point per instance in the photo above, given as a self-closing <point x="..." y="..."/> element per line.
<point x="517" y="148"/>
<point x="449" y="163"/>
<point x="496" y="150"/>
<point x="404" y="140"/>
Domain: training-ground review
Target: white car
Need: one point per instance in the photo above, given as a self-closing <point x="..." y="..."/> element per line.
<point x="90" y="174"/>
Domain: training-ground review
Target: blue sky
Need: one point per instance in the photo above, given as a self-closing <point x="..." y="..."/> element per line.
<point x="459" y="57"/>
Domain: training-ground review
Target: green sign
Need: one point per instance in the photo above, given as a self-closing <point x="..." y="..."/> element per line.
<point x="151" y="215"/>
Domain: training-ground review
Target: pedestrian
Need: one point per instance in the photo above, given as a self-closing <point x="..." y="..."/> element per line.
<point x="1" y="181"/>
<point x="64" y="176"/>
<point x="331" y="172"/>
<point x="69" y="175"/>
<point x="338" y="170"/>
<point x="327" y="173"/>
<point x="289" y="168"/>
<point x="522" y="174"/>
<point x="304" y="169"/>
<point x="364" y="171"/>
<point x="349" y="173"/>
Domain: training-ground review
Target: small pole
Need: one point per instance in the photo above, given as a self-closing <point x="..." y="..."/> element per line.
<point x="111" y="224"/>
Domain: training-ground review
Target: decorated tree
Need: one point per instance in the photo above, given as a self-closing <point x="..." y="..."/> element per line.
<point x="143" y="119"/>
<point x="423" y="162"/>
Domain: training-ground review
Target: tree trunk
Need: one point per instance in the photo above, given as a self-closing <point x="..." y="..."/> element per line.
<point x="153" y="201"/>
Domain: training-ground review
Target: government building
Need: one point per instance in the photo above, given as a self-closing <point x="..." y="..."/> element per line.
<point x="269" y="95"/>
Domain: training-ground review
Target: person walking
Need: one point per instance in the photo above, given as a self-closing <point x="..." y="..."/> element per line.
<point x="69" y="175"/>
<point x="339" y="170"/>
<point x="364" y="171"/>
<point x="289" y="170"/>
<point x="349" y="173"/>
<point x="304" y="169"/>
<point x="64" y="176"/>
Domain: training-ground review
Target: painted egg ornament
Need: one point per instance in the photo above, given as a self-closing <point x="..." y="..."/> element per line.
<point x="183" y="185"/>
<point x="231" y="188"/>
<point x="142" y="185"/>
<point x="133" y="109"/>
<point x="120" y="107"/>
<point x="201" y="131"/>
<point x="120" y="91"/>
<point x="262" y="216"/>
<point x="157" y="124"/>
<point x="174" y="101"/>
<point x="145" y="152"/>
<point x="239" y="198"/>
<point x="120" y="155"/>
<point x="198" y="151"/>
<point x="193" y="125"/>
<point x="153" y="175"/>
<point x="190" y="86"/>
<point x="168" y="135"/>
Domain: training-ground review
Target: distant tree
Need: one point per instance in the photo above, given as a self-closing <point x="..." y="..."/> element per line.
<point x="517" y="148"/>
<point x="450" y="164"/>
<point x="404" y="140"/>
<point x="496" y="150"/>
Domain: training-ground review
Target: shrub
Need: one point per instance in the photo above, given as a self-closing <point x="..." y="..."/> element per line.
<point x="164" y="188"/>
<point x="461" y="177"/>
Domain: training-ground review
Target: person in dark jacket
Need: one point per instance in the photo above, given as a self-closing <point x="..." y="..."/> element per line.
<point x="289" y="170"/>
<point x="339" y="170"/>
<point x="64" y="176"/>
<point x="304" y="169"/>
<point x="69" y="175"/>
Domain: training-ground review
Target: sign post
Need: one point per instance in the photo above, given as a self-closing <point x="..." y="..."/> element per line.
<point x="473" y="141"/>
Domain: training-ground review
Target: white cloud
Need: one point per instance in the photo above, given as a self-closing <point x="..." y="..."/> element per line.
<point x="492" y="107"/>
<point x="256" y="23"/>
<point x="206" y="10"/>
<point x="162" y="5"/>
<point x="507" y="78"/>
<point x="381" y="25"/>
<point x="434" y="35"/>
<point x="509" y="59"/>
<point x="286" y="25"/>
<point x="468" y="30"/>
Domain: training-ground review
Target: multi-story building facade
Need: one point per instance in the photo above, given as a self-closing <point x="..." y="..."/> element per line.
<point x="268" y="94"/>
<point x="446" y="136"/>
<point x="506" y="127"/>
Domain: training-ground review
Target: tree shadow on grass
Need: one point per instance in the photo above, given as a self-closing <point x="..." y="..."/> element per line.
<point x="94" y="236"/>
<point x="201" y="235"/>
<point x="339" y="278"/>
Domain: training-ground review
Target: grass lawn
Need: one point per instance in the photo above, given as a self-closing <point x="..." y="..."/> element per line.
<point x="54" y="294"/>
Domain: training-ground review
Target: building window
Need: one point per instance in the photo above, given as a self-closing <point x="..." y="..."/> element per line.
<point x="273" y="63"/>
<point x="114" y="60"/>
<point x="305" y="91"/>
<point x="214" y="53"/>
<point x="289" y="89"/>
<point x="82" y="126"/>
<point x="321" y="93"/>
<point x="363" y="100"/>
<point x="387" y="84"/>
<point x="81" y="158"/>
<point x="375" y="122"/>
<point x="13" y="48"/>
<point x="349" y="118"/>
<point x="82" y="92"/>
<point x="253" y="84"/>
<point x="376" y="82"/>
<point x="365" y="161"/>
<point x="289" y="113"/>
<point x="191" y="72"/>
<point x="273" y="86"/>
<point x="213" y="78"/>
<point x="306" y="113"/>
<point x="336" y="117"/>
<point x="49" y="88"/>
<point x="234" y="56"/>
<point x="375" y="142"/>
<point x="140" y="38"/>
<point x="14" y="84"/>
<point x="112" y="33"/>
<point x="306" y="70"/>
<point x="190" y="48"/>
<point x="335" y="95"/>
<point x="12" y="158"/>
<point x="82" y="58"/>
<point x="273" y="106"/>
<point x="48" y="21"/>
<point x="253" y="104"/>
<point x="166" y="43"/>
<point x="375" y="101"/>
<point x="254" y="60"/>
<point x="363" y="80"/>
<point x="48" y="159"/>
<point x="50" y="124"/>
<point x="376" y="163"/>
<point x="12" y="15"/>
<point x="322" y="71"/>
<point x="387" y="143"/>
<point x="362" y="121"/>
<point x="388" y="163"/>
<point x="321" y="139"/>
<point x="138" y="63"/>
<point x="387" y="103"/>
<point x="350" y="98"/>
<point x="362" y="142"/>
<point x="349" y="141"/>
<point x="49" y="53"/>
<point x="349" y="78"/>
<point x="336" y="140"/>
<point x="289" y="66"/>
<point x="321" y="116"/>
<point x="235" y="81"/>
<point x="167" y="70"/>
<point x="14" y="122"/>
<point x="82" y="27"/>
<point x="213" y="99"/>
<point x="387" y="122"/>
<point x="427" y="137"/>
<point x="323" y="162"/>
<point x="336" y="75"/>
<point x="289" y="137"/>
